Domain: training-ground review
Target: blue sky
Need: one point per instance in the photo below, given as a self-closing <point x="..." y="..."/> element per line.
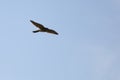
<point x="87" y="47"/>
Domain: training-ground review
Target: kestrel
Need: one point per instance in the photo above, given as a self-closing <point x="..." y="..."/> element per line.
<point x="42" y="28"/>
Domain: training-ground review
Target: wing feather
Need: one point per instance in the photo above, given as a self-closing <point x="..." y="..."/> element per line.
<point x="52" y="31"/>
<point x="37" y="24"/>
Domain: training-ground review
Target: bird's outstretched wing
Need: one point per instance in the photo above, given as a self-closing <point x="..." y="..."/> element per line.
<point x="40" y="26"/>
<point x="52" y="31"/>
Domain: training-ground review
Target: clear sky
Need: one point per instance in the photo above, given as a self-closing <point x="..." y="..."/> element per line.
<point x="87" y="47"/>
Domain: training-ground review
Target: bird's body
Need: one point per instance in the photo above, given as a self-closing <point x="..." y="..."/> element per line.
<point x="42" y="28"/>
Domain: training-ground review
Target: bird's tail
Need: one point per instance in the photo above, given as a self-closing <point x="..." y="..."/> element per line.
<point x="36" y="31"/>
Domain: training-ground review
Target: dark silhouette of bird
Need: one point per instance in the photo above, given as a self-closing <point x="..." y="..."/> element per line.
<point x="42" y="28"/>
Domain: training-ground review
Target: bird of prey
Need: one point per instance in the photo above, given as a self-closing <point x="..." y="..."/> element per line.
<point x="42" y="28"/>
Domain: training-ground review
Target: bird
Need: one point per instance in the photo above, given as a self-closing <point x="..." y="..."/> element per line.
<point x="42" y="28"/>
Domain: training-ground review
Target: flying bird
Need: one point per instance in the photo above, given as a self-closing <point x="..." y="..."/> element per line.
<point x="42" y="28"/>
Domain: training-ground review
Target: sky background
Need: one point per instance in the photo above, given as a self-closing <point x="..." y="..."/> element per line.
<point x="87" y="47"/>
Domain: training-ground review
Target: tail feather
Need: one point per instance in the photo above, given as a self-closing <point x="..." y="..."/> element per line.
<point x="36" y="31"/>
